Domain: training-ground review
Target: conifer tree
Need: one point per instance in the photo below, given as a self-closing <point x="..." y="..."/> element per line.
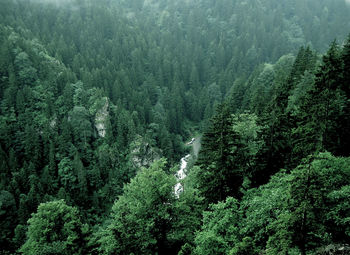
<point x="320" y="113"/>
<point x="343" y="130"/>
<point x="220" y="158"/>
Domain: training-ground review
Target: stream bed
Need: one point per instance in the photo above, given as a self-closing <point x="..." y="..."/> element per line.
<point x="181" y="173"/>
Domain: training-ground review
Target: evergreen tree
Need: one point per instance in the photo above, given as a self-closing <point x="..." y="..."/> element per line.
<point x="7" y="218"/>
<point x="154" y="72"/>
<point x="319" y="125"/>
<point x="220" y="159"/>
<point x="344" y="121"/>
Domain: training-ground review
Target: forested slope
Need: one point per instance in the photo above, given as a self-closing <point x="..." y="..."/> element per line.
<point x="269" y="172"/>
<point x="94" y="91"/>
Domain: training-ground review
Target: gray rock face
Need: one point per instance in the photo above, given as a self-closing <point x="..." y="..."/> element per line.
<point x="101" y="118"/>
<point x="142" y="153"/>
<point x="335" y="249"/>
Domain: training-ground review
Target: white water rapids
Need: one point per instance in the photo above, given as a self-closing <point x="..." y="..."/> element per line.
<point x="195" y="143"/>
<point x="180" y="175"/>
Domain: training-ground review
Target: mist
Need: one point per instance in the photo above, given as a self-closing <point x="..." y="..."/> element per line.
<point x="58" y="3"/>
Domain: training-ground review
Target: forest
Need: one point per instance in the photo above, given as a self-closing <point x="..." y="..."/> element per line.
<point x="99" y="101"/>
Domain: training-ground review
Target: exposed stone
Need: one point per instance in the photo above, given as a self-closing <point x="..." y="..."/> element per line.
<point x="101" y="118"/>
<point x="142" y="153"/>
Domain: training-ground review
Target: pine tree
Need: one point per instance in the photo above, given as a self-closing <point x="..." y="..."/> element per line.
<point x="220" y="159"/>
<point x="343" y="131"/>
<point x="320" y="113"/>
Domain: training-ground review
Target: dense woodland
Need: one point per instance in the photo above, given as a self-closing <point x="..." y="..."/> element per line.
<point x="99" y="98"/>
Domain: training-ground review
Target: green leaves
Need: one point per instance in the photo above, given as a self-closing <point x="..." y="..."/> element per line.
<point x="305" y="220"/>
<point x="228" y="154"/>
<point x="141" y="217"/>
<point x="321" y="114"/>
<point x="66" y="174"/>
<point x="339" y="215"/>
<point x="293" y="213"/>
<point x="220" y="228"/>
<point x="155" y="69"/>
<point x="54" y="229"/>
<point x="147" y="219"/>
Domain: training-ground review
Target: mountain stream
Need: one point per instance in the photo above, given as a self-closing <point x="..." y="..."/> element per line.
<point x="181" y="174"/>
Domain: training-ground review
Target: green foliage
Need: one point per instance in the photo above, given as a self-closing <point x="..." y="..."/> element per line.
<point x="339" y="215"/>
<point x="141" y="217"/>
<point x="228" y="154"/>
<point x="293" y="213"/>
<point x="65" y="174"/>
<point x="305" y="222"/>
<point x="261" y="207"/>
<point x="187" y="216"/>
<point x="249" y="135"/>
<point x="321" y="117"/>
<point x="220" y="230"/>
<point x="81" y="82"/>
<point x="7" y="217"/>
<point x="55" y="229"/>
<point x="220" y="159"/>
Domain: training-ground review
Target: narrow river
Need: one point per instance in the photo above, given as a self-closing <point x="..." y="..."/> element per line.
<point x="181" y="174"/>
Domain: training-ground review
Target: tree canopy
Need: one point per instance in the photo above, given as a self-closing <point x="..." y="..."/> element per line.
<point x="98" y="100"/>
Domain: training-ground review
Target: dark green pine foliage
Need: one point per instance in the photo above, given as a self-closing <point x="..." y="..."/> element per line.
<point x="319" y="121"/>
<point x="346" y="70"/>
<point x="277" y="116"/>
<point x="161" y="68"/>
<point x="305" y="61"/>
<point x="331" y="99"/>
<point x="220" y="172"/>
<point x="343" y="131"/>
<point x="276" y="122"/>
<point x="8" y="218"/>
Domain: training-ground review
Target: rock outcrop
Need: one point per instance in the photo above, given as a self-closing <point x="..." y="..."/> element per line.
<point x="142" y="153"/>
<point x="101" y="118"/>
